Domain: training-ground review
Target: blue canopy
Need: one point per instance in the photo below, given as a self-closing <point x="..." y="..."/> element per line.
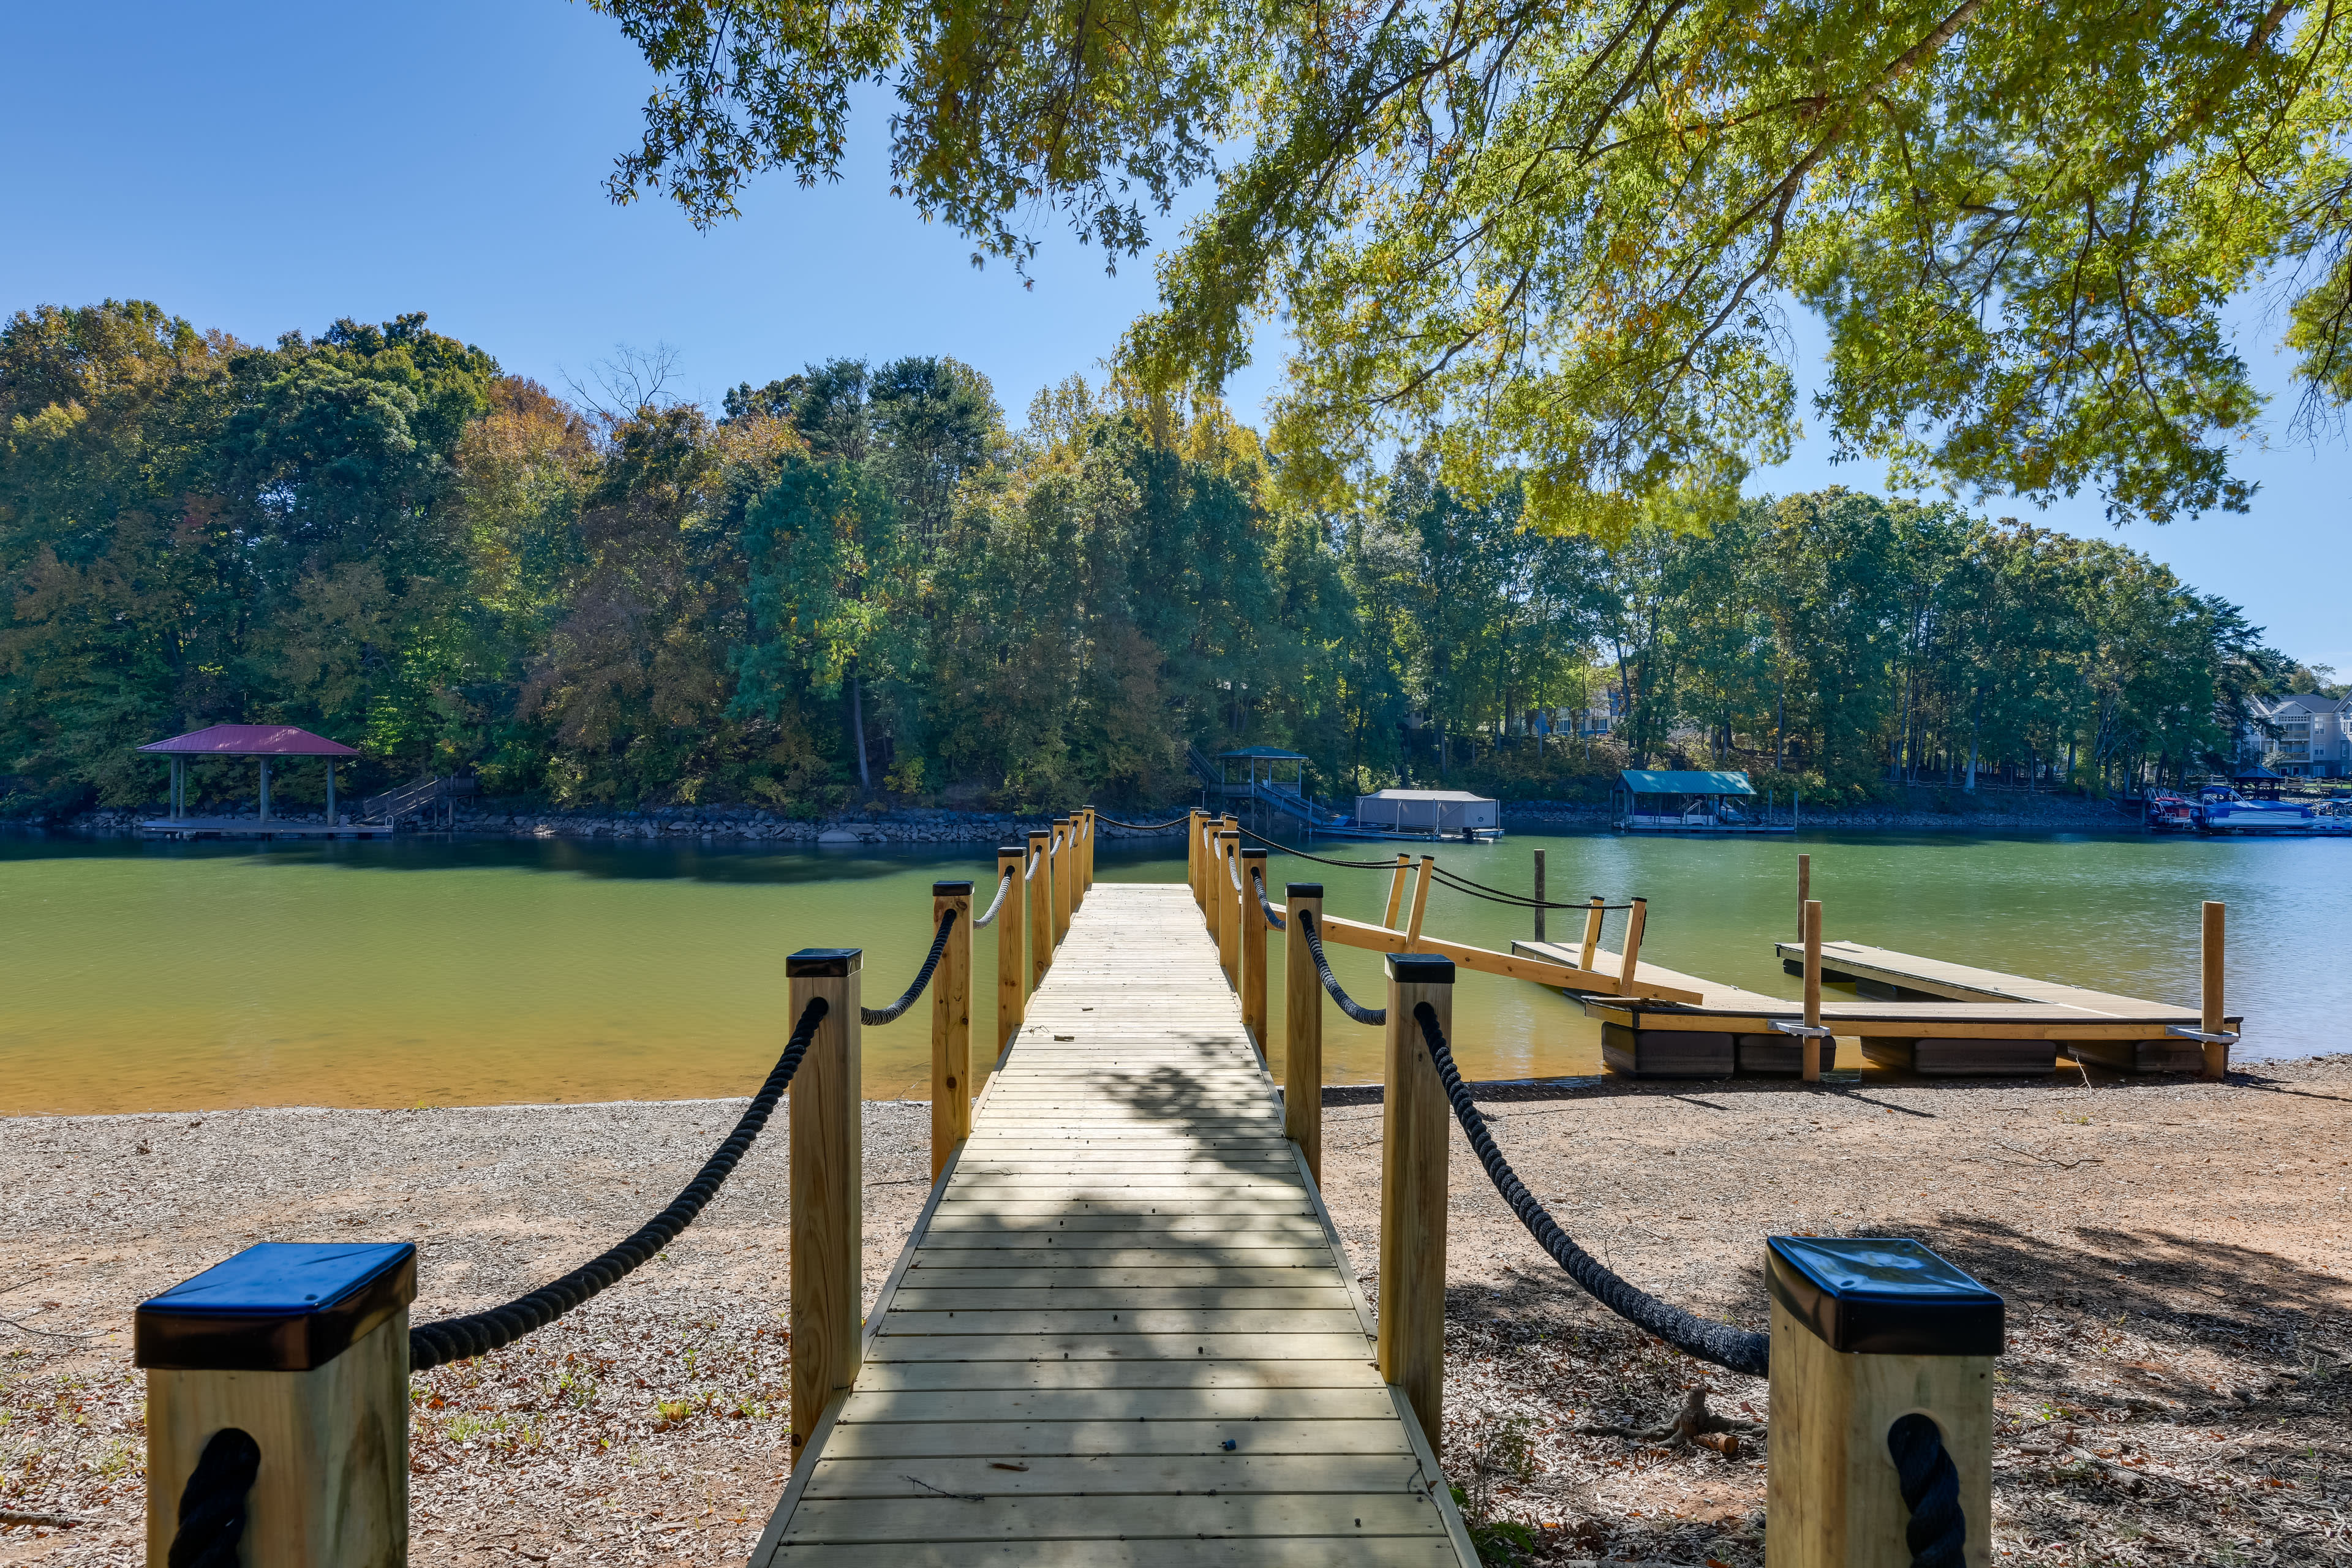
<point x="1655" y="781"/>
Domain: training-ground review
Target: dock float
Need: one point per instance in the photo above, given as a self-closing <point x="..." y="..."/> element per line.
<point x="1124" y="1331"/>
<point x="1919" y="1015"/>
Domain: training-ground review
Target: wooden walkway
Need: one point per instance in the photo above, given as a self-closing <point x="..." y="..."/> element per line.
<point x="1124" y="1331"/>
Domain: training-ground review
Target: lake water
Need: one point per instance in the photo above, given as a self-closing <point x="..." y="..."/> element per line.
<point x="150" y="976"/>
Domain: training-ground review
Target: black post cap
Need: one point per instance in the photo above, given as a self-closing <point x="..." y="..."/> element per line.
<point x="1253" y="852"/>
<point x="1420" y="969"/>
<point x="1013" y="849"/>
<point x="1302" y="889"/>
<point x="1883" y="1296"/>
<point x="949" y="890"/>
<point x="824" y="962"/>
<point x="280" y="1306"/>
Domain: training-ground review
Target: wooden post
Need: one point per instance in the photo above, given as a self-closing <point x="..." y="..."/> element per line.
<point x="1637" y="919"/>
<point x="1064" y="854"/>
<point x="1813" y="989"/>
<point x="1094" y="830"/>
<point x="2212" y="1017"/>
<point x="826" y="1181"/>
<point x="302" y="1346"/>
<point x="1804" y="890"/>
<point x="330" y="792"/>
<point x="1540" y="895"/>
<point x="1591" y="935"/>
<point x="1420" y="898"/>
<point x="951" y="1027"/>
<point x="1229" y="906"/>
<point x="1396" y="889"/>
<point x="1078" y="859"/>
<point x="1012" y="922"/>
<point x="1849" y="1369"/>
<point x="1302" y="1027"/>
<point x="1041" y="908"/>
<point x="1212" y="882"/>
<point x="1413" y="1145"/>
<point x="1253" y="955"/>
<point x="1197" y="824"/>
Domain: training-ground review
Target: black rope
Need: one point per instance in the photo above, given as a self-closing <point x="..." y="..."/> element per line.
<point x="478" y="1333"/>
<point x="1144" y="826"/>
<point x="1318" y="859"/>
<point x="212" y="1505"/>
<point x="1348" y="1005"/>
<point x="1939" y="1531"/>
<point x="1498" y="895"/>
<point x="1726" y="1346"/>
<point x="872" y="1015"/>
<point x="1273" y="918"/>
<point x="1004" y="886"/>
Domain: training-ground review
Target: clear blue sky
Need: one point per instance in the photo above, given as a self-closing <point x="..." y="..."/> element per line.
<point x="268" y="167"/>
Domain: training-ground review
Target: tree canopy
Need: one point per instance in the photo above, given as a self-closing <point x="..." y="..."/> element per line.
<point x="1554" y="243"/>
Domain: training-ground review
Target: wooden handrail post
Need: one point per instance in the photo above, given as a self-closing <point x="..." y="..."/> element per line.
<point x="1063" y="855"/>
<point x="1041" y="906"/>
<point x="1212" y="892"/>
<point x="1396" y="890"/>
<point x="825" y="1187"/>
<point x="1420" y="898"/>
<point x="1591" y="935"/>
<point x="1854" y="1368"/>
<point x="2212" y="1017"/>
<point x="1629" y="971"/>
<point x="1540" y="895"/>
<point x="317" y="1375"/>
<point x="1413" y="1121"/>
<point x="951" y="1027"/>
<point x="1197" y="824"/>
<point x="1302" y="1027"/>
<point x="1094" y="828"/>
<point x="1253" y="955"/>
<point x="1804" y="890"/>
<point x="1011" y="924"/>
<point x="1229" y="905"/>
<point x="1078" y="859"/>
<point x="1813" y="989"/>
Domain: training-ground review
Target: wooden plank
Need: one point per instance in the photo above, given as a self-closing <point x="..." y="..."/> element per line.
<point x="1649" y="980"/>
<point x="1111" y="1320"/>
<point x="1238" y="1515"/>
<point x="1012" y="1440"/>
<point x="1289" y="1552"/>
<point x="1367" y="1402"/>
<point x="1116" y="1254"/>
<point x="1082" y="1271"/>
<point x="1160" y="1372"/>
<point x="1100" y="1475"/>
<point x="1349" y="1346"/>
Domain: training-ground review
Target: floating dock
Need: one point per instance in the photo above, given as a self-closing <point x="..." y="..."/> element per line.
<point x="253" y="827"/>
<point x="1919" y="1015"/>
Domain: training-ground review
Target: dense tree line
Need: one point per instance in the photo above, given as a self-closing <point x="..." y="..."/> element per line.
<point x="859" y="582"/>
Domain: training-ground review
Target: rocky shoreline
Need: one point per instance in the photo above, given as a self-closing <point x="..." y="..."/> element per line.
<point x="917" y="825"/>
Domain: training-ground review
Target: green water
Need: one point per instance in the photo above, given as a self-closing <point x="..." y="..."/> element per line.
<point x="151" y="976"/>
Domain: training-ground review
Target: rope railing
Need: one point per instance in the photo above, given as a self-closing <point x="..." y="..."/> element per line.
<point x="873" y="1016"/>
<point x="1273" y="916"/>
<point x="1004" y="886"/>
<point x="1348" y="1005"/>
<point x="478" y="1333"/>
<point x="213" y="1503"/>
<point x="1937" y="1533"/>
<point x="1738" y="1349"/>
<point x="1141" y="827"/>
<point x="1234" y="869"/>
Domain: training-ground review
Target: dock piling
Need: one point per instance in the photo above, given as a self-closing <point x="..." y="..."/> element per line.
<point x="1540" y="895"/>
<point x="1197" y="823"/>
<point x="2212" y="1017"/>
<point x="1812" y="1045"/>
<point x="1041" y="906"/>
<point x="1302" y="1034"/>
<point x="1012" y="922"/>
<point x="826" y="1185"/>
<point x="1060" y="855"/>
<point x="951" y="1027"/>
<point x="1414" y="1122"/>
<point x="1804" y="890"/>
<point x="1253" y="954"/>
<point x="1229" y="904"/>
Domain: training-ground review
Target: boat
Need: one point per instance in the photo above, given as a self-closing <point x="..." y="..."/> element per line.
<point x="2222" y="809"/>
<point x="2170" y="813"/>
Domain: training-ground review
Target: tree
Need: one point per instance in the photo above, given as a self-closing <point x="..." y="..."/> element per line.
<point x="1557" y="240"/>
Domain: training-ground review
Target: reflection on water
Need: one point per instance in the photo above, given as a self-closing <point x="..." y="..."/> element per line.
<point x="155" y="976"/>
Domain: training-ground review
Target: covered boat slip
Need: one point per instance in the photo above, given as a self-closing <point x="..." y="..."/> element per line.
<point x="1930" y="1017"/>
<point x="1124" y="1331"/>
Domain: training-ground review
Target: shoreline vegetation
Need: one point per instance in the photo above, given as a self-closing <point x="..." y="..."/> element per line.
<point x="863" y="582"/>
<point x="2175" y="1386"/>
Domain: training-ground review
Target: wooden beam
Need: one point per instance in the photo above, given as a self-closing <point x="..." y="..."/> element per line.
<point x="1396" y="888"/>
<point x="1420" y="897"/>
<point x="1413" y="1151"/>
<point x="1812" y="1045"/>
<point x="825" y="1171"/>
<point x="1542" y="971"/>
<point x="1253" y="954"/>
<point x="2210" y="1020"/>
<point x="1591" y="934"/>
<point x="951" y="1027"/>
<point x="1040" y="877"/>
<point x="1011" y="924"/>
<point x="1302" y="1035"/>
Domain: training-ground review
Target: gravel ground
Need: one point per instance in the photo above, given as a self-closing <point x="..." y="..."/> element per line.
<point x="2174" y="1256"/>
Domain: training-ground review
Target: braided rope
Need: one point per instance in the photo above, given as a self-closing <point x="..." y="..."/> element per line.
<point x="478" y="1333"/>
<point x="212" y="1505"/>
<point x="875" y="1016"/>
<point x="1234" y="869"/>
<point x="1142" y="827"/>
<point x="1736" y="1349"/>
<point x="1273" y="916"/>
<point x="1939" y="1531"/>
<point x="1348" y="1005"/>
<point x="1004" y="886"/>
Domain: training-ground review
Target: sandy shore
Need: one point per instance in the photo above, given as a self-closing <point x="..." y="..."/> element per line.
<point x="2177" y="1260"/>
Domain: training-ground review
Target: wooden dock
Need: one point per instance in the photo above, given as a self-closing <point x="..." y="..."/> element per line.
<point x="1927" y="1016"/>
<point x="254" y="827"/>
<point x="1124" y="1331"/>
